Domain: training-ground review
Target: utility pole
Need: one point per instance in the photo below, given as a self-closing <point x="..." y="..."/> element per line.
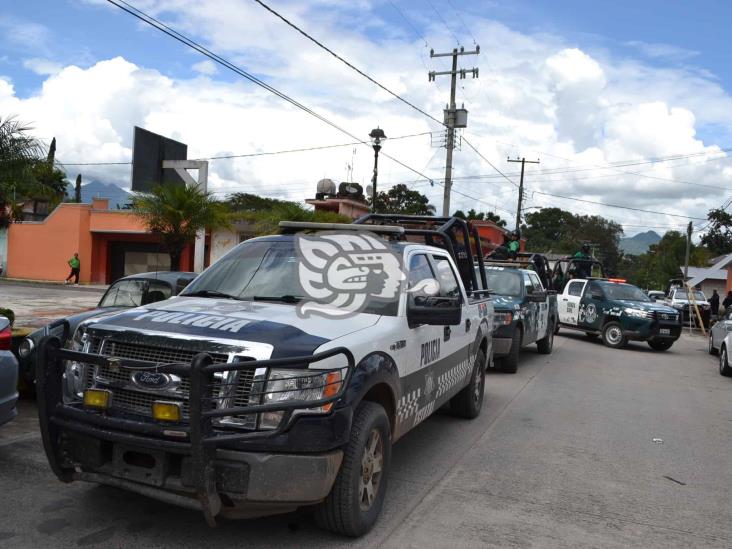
<point x="689" y="230"/>
<point x="521" y="189"/>
<point x="453" y="117"/>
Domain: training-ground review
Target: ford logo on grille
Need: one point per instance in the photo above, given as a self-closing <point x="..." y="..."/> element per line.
<point x="151" y="380"/>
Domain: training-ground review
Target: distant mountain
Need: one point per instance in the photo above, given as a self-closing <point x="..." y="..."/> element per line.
<point x="639" y="244"/>
<point x="118" y="197"/>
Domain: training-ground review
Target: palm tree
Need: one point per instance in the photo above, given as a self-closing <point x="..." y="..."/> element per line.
<point x="176" y="213"/>
<point x="19" y="153"/>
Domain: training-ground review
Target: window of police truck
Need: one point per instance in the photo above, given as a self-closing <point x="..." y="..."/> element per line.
<point x="625" y="292"/>
<point x="266" y="269"/>
<point x="697" y="295"/>
<point x="506" y="283"/>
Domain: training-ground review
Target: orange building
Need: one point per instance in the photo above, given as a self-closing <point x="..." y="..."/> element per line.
<point x="492" y="235"/>
<point x="111" y="244"/>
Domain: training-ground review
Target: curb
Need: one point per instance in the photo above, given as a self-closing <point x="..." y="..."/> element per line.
<point x="53" y="284"/>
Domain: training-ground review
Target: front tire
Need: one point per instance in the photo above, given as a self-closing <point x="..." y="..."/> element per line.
<point x="712" y="350"/>
<point x="468" y="402"/>
<point x="357" y="495"/>
<point x="724" y="367"/>
<point x="612" y="335"/>
<point x="660" y="344"/>
<point x="546" y="344"/>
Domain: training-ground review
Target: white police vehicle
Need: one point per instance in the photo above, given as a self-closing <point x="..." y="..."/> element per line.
<point x="280" y="377"/>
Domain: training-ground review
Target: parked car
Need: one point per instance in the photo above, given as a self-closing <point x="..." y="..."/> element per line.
<point x="129" y="291"/>
<point x="718" y="332"/>
<point x="8" y="374"/>
<point x="720" y="342"/>
<point x="656" y="295"/>
<point x="244" y="396"/>
<point x="617" y="312"/>
<point x="680" y="300"/>
<point x="525" y="313"/>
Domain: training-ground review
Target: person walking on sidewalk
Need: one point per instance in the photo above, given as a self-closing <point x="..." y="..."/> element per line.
<point x="75" y="265"/>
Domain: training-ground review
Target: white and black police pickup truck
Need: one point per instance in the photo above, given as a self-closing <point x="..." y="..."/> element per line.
<point x="280" y="377"/>
<point x="617" y="312"/>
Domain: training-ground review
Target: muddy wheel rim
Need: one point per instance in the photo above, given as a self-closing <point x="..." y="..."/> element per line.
<point x="478" y="383"/>
<point x="614" y="335"/>
<point x="372" y="465"/>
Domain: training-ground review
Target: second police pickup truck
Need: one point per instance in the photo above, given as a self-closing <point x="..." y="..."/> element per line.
<point x="281" y="376"/>
<point x="525" y="312"/>
<point x="617" y="312"/>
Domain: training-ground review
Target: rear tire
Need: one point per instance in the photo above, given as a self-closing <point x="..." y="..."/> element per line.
<point x="612" y="335"/>
<point x="546" y="344"/>
<point x="468" y="402"/>
<point x="712" y="350"/>
<point x="352" y="507"/>
<point x="724" y="367"/>
<point x="660" y="345"/>
<point x="509" y="363"/>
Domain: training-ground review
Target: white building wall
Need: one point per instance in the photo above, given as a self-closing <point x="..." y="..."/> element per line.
<point x="224" y="240"/>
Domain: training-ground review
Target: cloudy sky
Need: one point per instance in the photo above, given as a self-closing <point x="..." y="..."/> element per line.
<point x="626" y="103"/>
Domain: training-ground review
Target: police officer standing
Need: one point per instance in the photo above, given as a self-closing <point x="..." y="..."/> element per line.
<point x="584" y="265"/>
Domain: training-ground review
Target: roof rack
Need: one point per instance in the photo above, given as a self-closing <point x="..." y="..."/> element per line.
<point x="289" y="227"/>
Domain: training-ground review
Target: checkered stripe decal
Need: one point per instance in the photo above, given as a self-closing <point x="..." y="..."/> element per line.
<point x="453" y="376"/>
<point x="408" y="405"/>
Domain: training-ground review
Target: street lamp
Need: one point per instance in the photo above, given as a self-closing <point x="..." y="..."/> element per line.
<point x="376" y="135"/>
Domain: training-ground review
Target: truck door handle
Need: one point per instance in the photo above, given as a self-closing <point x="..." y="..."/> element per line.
<point x="565" y="299"/>
<point x="467" y="324"/>
<point x="447" y="333"/>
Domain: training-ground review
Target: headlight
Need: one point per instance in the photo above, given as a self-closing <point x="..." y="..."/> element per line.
<point x="79" y="339"/>
<point x="638" y="313"/>
<point x="677" y="305"/>
<point x="26" y="347"/>
<point x="502" y="318"/>
<point x="298" y="385"/>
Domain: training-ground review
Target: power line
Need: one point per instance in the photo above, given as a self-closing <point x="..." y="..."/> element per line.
<point x="617" y="206"/>
<point x="460" y="18"/>
<point x="469" y="144"/>
<point x="344" y="61"/>
<point x="139" y="14"/>
<point x="444" y="23"/>
<point x="401" y="13"/>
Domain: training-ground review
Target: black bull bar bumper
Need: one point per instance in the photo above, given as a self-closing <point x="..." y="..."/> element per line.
<point x="204" y="438"/>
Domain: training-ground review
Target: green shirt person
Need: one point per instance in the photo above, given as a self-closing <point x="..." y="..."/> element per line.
<point x="75" y="265"/>
<point x="584" y="268"/>
<point x="514" y="244"/>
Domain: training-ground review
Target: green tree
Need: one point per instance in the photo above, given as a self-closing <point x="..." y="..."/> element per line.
<point x="176" y="213"/>
<point x="480" y="216"/>
<point x="19" y="153"/>
<point x="266" y="213"/>
<point x="718" y="237"/>
<point x="400" y="199"/>
<point x="553" y="230"/>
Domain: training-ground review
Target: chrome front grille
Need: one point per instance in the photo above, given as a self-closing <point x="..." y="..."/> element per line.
<point x="130" y="398"/>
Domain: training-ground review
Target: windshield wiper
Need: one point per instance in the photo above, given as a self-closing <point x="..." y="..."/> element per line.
<point x="211" y="293"/>
<point x="283" y="298"/>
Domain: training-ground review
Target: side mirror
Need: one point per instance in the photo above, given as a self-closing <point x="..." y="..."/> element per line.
<point x="537" y="297"/>
<point x="181" y="283"/>
<point x="435" y="311"/>
<point x="597" y="296"/>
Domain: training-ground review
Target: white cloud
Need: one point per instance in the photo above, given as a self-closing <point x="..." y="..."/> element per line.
<point x="42" y="66"/>
<point x="536" y="96"/>
<point x="206" y="67"/>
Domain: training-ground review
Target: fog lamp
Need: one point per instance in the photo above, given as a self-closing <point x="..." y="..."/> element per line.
<point x="97" y="398"/>
<point x="166" y="411"/>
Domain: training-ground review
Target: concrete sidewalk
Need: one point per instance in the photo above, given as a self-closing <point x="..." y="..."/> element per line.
<point x="51" y="284"/>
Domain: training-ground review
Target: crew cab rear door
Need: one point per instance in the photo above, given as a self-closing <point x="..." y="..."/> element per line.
<point x="569" y="302"/>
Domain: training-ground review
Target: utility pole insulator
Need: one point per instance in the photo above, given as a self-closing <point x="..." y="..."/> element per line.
<point x="454" y="117"/>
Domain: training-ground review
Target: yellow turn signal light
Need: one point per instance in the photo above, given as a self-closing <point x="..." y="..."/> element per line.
<point x="166" y="411"/>
<point x="332" y="386"/>
<point x="97" y="398"/>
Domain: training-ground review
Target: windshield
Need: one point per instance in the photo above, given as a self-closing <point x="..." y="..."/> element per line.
<point x="266" y="270"/>
<point x="506" y="282"/>
<point x="681" y="294"/>
<point x="624" y="291"/>
<point x="125" y="293"/>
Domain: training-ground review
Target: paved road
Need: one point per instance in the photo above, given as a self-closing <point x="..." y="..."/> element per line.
<point x="37" y="304"/>
<point x="562" y="456"/>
